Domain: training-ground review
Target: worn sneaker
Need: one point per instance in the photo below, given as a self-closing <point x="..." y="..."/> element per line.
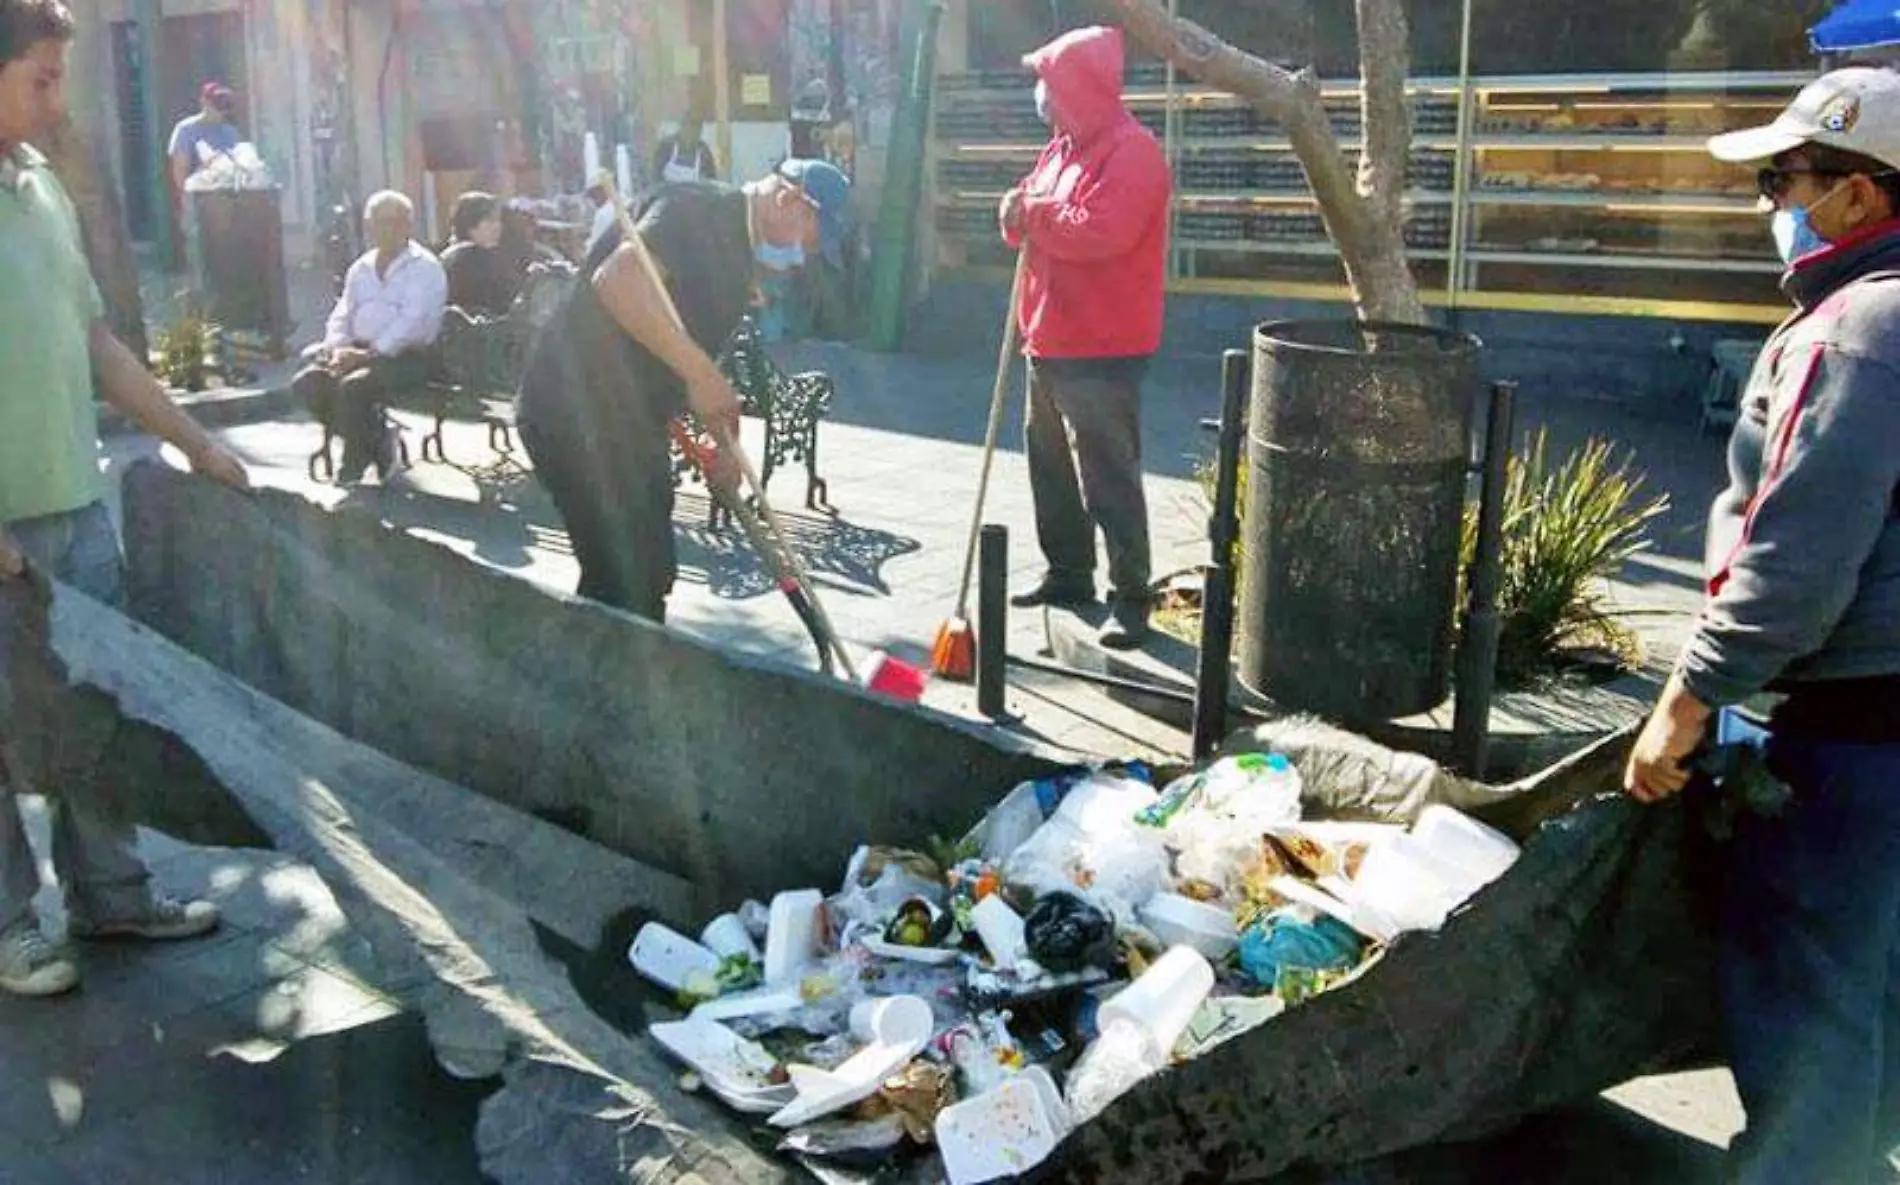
<point x="163" y="919"/>
<point x="30" y="965"/>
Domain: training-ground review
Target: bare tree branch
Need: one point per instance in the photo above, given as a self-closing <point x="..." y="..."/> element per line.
<point x="1385" y="59"/>
<point x="1364" y="223"/>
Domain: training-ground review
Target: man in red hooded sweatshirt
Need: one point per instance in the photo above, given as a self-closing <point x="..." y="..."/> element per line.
<point x="1092" y="219"/>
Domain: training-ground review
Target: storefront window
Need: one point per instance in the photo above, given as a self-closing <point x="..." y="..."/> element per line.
<point x="1569" y="171"/>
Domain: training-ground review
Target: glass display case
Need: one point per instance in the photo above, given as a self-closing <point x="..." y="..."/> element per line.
<point x="1571" y="192"/>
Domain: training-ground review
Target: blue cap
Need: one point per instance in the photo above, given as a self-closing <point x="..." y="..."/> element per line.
<point x="830" y="190"/>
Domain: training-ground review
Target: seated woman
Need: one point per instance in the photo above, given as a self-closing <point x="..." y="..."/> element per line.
<point x="482" y="282"/>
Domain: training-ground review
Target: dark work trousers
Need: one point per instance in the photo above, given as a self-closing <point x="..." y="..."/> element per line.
<point x="614" y="490"/>
<point x="352" y="406"/>
<point x="1085" y="415"/>
<point x="1811" y="969"/>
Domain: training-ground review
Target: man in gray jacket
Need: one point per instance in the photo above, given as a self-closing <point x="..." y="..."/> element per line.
<point x="1804" y="600"/>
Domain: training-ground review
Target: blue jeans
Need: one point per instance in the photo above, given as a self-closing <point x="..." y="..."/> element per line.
<point x="1811" y="969"/>
<point x="94" y="858"/>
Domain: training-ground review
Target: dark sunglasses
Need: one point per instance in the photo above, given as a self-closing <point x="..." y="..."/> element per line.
<point x="1774" y="184"/>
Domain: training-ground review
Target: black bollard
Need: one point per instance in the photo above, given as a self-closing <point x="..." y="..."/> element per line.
<point x="1477" y="659"/>
<point x="992" y="620"/>
<point x="1213" y="681"/>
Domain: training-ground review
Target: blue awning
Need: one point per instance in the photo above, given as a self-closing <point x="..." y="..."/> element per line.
<point x="1858" y="24"/>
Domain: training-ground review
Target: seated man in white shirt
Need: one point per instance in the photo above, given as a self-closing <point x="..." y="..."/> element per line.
<point x="379" y="339"/>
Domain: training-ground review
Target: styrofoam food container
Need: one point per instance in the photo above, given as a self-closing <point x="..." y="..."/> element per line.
<point x="1402" y="886"/>
<point x="764" y="1002"/>
<point x="1003" y="1132"/>
<point x="929" y="956"/>
<point x="1001" y="929"/>
<point x="1183" y="921"/>
<point x="895" y="1030"/>
<point x="669" y="958"/>
<point x="736" y="1070"/>
<point x="791" y="942"/>
<point x="1456" y="838"/>
<point x="1166" y="997"/>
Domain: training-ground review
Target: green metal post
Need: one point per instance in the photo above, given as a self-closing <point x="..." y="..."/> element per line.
<point x="892" y="262"/>
<point x="158" y="177"/>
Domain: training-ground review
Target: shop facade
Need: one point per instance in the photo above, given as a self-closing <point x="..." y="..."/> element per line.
<point x="1559" y="163"/>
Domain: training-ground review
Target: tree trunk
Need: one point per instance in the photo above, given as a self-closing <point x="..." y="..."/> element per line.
<point x="86" y="172"/>
<point x="1364" y="215"/>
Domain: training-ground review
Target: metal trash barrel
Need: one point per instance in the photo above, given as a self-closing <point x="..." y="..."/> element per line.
<point x="1358" y="449"/>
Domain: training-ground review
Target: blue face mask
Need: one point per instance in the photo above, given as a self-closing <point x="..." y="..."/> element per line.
<point x="1795" y="236"/>
<point x="781" y="259"/>
<point x="1042" y="100"/>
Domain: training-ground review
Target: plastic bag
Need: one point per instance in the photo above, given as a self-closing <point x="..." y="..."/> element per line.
<point x="1065" y="933"/>
<point x="1291" y="942"/>
<point x="1092" y="846"/>
<point x="1221" y="818"/>
<point x="879" y="881"/>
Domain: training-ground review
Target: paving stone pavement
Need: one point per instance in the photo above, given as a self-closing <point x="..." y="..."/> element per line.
<point x="154" y="1066"/>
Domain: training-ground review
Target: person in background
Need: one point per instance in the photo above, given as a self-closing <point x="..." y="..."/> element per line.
<point x="1803" y="599"/>
<point x="196" y="141"/>
<point x="684" y="155"/>
<point x="198" y="138"/>
<point x="1092" y="222"/>
<point x="378" y="339"/>
<point x="612" y="369"/>
<point x="520" y="249"/>
<point x="55" y="352"/>
<point x="481" y="282"/>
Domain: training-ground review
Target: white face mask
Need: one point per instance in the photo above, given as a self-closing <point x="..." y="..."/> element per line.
<point x="781" y="259"/>
<point x="1042" y="99"/>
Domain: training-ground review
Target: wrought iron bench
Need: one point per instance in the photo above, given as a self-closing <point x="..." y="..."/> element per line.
<point x="482" y="360"/>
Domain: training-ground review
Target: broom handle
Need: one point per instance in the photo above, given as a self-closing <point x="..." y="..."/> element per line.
<point x="1006" y="356"/>
<point x="630" y="234"/>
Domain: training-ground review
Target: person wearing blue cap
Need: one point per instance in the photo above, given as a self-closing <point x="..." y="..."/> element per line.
<point x="611" y="368"/>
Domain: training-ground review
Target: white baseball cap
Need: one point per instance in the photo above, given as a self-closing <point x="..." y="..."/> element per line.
<point x="1855" y="110"/>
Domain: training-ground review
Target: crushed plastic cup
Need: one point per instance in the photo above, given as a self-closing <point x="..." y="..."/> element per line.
<point x="1164" y="1000"/>
<point x="1118" y="1061"/>
<point x="1484" y="853"/>
<point x="895" y="678"/>
<point x="1183" y="921"/>
<point x="669" y="958"/>
<point x="727" y="937"/>
<point x="894" y="1031"/>
<point x="1004" y="1132"/>
<point x="791" y="940"/>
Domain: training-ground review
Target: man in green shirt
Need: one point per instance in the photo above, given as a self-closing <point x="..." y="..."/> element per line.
<point x="54" y="352"/>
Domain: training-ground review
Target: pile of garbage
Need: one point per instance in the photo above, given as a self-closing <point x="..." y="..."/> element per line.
<point x="241" y="168"/>
<point x="1091" y="931"/>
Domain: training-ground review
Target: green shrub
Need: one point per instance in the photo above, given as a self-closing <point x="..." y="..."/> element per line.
<point x="1568" y="528"/>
